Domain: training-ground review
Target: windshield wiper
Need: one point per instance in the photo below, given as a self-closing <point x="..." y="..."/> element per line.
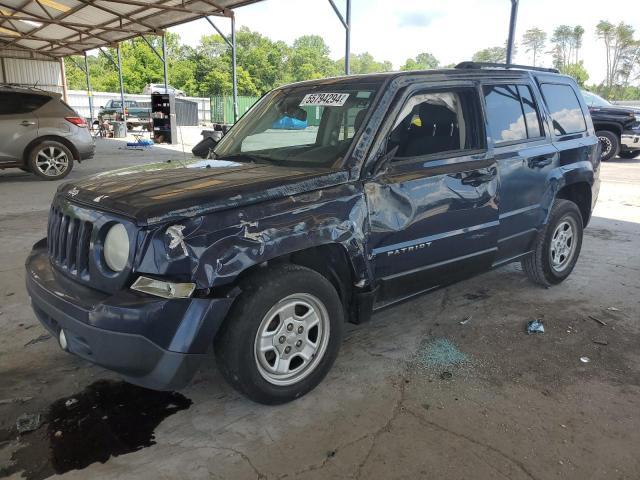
<point x="251" y="158"/>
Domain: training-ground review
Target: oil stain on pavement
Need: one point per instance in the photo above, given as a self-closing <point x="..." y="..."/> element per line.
<point x="107" y="419"/>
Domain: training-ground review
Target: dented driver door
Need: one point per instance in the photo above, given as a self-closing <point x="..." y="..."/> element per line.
<point x="433" y="214"/>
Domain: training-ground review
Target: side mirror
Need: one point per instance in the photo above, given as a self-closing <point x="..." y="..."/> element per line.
<point x="204" y="147"/>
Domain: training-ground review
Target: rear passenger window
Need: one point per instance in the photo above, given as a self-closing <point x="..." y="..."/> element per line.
<point x="437" y="122"/>
<point x="564" y="107"/>
<point x="512" y="113"/>
<point x="12" y="103"/>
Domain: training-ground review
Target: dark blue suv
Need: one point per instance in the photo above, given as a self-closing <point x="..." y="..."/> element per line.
<point x="328" y="200"/>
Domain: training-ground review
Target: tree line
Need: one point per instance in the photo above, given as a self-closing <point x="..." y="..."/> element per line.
<point x="204" y="70"/>
<point x="264" y="64"/>
<point x="563" y="50"/>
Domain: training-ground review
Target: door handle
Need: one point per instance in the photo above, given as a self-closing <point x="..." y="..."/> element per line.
<point x="477" y="179"/>
<point x="540" y="161"/>
<point x="27" y="123"/>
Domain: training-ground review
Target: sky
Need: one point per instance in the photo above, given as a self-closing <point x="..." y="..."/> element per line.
<point x="452" y="30"/>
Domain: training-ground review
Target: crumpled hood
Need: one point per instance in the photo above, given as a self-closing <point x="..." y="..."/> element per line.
<point x="159" y="192"/>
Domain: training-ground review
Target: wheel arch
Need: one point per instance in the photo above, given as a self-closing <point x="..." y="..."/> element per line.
<point x="609" y="127"/>
<point x="580" y="194"/>
<point x="332" y="261"/>
<point x="29" y="148"/>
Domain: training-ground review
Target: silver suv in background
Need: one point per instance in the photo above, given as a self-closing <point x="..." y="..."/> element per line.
<point x="159" y="88"/>
<point x="39" y="133"/>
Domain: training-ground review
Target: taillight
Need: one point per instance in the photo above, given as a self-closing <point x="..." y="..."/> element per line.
<point x="78" y="121"/>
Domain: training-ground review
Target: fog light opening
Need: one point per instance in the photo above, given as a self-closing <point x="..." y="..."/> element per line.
<point x="163" y="289"/>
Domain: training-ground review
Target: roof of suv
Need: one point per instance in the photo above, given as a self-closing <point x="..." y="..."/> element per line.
<point x="7" y="87"/>
<point x="460" y="72"/>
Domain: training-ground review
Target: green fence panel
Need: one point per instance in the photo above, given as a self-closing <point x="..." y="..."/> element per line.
<point x="222" y="107"/>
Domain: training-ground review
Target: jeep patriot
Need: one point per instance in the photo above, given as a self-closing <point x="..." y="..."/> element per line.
<point x="327" y="201"/>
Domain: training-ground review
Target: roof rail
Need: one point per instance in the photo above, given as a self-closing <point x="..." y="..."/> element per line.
<point x="478" y="65"/>
<point x="24" y="87"/>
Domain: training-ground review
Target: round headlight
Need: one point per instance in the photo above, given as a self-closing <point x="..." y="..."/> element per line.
<point x="116" y="248"/>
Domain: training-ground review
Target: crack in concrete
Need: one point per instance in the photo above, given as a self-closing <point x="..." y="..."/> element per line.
<point x="244" y="456"/>
<point x="397" y="409"/>
<point x="442" y="428"/>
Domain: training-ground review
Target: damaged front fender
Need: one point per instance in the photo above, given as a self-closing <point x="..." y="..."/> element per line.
<point x="212" y="250"/>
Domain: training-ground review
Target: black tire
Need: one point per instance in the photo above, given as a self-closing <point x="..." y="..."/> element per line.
<point x="539" y="265"/>
<point x="129" y="127"/>
<point x="235" y="345"/>
<point x="629" y="154"/>
<point x="610" y="144"/>
<point x="45" y="148"/>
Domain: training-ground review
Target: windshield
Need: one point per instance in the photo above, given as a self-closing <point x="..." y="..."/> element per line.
<point x="127" y="103"/>
<point x="594" y="100"/>
<point x="311" y="125"/>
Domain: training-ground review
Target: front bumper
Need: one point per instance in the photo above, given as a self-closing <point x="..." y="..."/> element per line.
<point x="149" y="341"/>
<point x="630" y="140"/>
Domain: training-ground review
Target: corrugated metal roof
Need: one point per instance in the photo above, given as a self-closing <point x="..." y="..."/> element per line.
<point x="57" y="28"/>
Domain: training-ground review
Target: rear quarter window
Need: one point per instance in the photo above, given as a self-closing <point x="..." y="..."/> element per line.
<point x="564" y="107"/>
<point x="12" y="103"/>
<point x="512" y="113"/>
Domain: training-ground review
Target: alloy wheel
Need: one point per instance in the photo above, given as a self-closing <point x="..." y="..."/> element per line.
<point x="52" y="161"/>
<point x="292" y="339"/>
<point x="562" y="247"/>
<point x="606" y="146"/>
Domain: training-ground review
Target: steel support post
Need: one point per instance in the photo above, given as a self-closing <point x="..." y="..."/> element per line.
<point x="89" y="92"/>
<point x="124" y="113"/>
<point x="234" y="69"/>
<point x="164" y="62"/>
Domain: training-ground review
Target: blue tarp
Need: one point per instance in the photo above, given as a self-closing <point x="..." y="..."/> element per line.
<point x="289" y="123"/>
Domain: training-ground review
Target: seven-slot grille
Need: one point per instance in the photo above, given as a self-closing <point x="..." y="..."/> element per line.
<point x="68" y="242"/>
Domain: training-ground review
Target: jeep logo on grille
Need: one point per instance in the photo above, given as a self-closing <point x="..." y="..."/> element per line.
<point x="73" y="192"/>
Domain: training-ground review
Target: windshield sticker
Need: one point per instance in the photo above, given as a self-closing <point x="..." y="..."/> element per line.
<point x="324" y="100"/>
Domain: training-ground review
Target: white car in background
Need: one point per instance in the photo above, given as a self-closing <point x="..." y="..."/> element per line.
<point x="159" y="88"/>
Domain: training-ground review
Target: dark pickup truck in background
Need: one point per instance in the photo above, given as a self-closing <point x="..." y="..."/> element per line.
<point x="137" y="114"/>
<point x="617" y="127"/>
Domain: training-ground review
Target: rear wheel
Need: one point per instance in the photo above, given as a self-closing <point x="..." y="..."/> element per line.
<point x="557" y="247"/>
<point x="629" y="154"/>
<point x="282" y="335"/>
<point x="50" y="160"/>
<point x="610" y="144"/>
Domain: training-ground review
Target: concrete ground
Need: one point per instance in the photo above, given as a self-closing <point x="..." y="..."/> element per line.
<point x="416" y="393"/>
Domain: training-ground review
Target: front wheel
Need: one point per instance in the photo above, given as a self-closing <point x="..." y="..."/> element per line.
<point x="629" y="154"/>
<point x="610" y="144"/>
<point x="557" y="247"/>
<point x="50" y="160"/>
<point x="282" y="335"/>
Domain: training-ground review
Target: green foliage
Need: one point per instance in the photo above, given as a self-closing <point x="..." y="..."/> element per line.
<point x="309" y="59"/>
<point x="534" y="40"/>
<point x="622" y="51"/>
<point x="364" y="63"/>
<point x="262" y="64"/>
<point x="491" y="54"/>
<point x="617" y="92"/>
<point x="577" y="71"/>
<point x="423" y="61"/>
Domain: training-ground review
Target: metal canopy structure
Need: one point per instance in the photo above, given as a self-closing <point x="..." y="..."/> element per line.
<point x="63" y="28"/>
<point x="58" y="28"/>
